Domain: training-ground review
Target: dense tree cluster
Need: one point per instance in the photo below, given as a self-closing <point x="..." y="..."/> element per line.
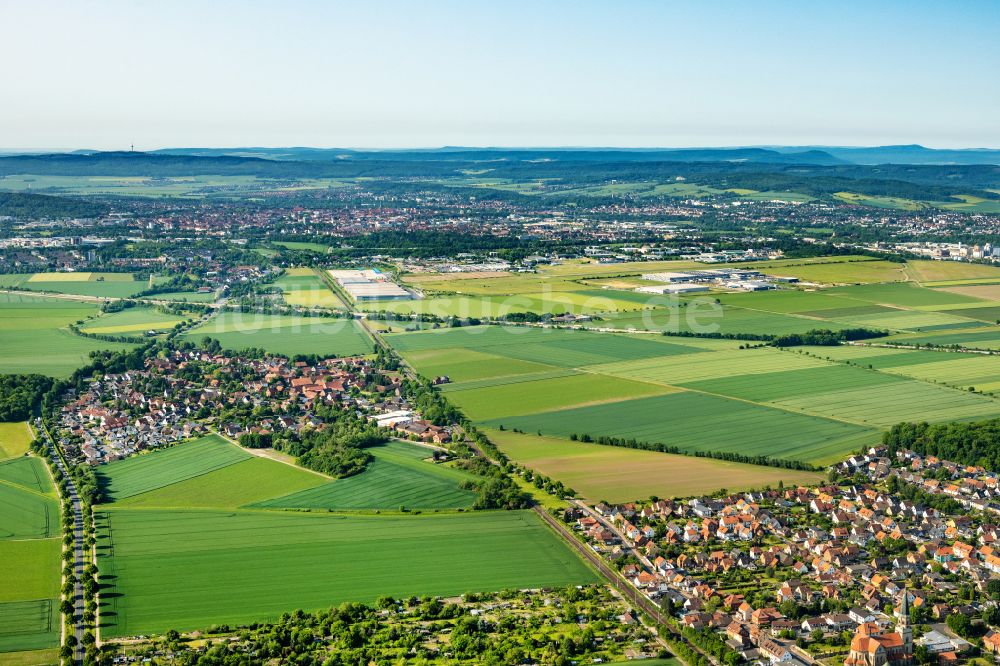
<point x="973" y="443"/>
<point x="19" y="394"/>
<point x="826" y="337"/>
<point x="337" y="450"/>
<point x="632" y="443"/>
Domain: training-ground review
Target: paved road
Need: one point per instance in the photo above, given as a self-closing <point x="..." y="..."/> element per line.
<point x="641" y="556"/>
<point x="78" y="545"/>
<point x="626" y="589"/>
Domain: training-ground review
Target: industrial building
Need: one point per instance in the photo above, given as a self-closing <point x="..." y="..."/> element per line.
<point x="369" y="285"/>
<point x="672" y="289"/>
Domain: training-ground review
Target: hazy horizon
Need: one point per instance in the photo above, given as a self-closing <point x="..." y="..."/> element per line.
<point x="54" y="150"/>
<point x="391" y="74"/>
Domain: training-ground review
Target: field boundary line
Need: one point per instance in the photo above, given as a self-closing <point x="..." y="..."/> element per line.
<point x="17" y="486"/>
<point x="260" y="454"/>
<point x="801" y="412"/>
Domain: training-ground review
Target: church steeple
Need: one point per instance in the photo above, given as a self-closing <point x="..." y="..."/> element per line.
<point x="903" y="610"/>
<point x="903" y="622"/>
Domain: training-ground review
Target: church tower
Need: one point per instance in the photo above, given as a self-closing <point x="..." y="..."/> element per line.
<point x="903" y="622"/>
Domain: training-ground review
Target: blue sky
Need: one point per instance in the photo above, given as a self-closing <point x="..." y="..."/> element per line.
<point x="104" y="74"/>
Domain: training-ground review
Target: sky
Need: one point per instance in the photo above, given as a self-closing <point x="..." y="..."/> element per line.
<point x="425" y="73"/>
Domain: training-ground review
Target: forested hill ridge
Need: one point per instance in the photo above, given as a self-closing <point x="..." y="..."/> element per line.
<point x="27" y="205"/>
<point x="901" y="154"/>
<point x="581" y="168"/>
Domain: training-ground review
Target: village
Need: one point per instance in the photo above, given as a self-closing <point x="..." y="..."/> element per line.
<point x="890" y="565"/>
<point x="186" y="393"/>
<point x="895" y="561"/>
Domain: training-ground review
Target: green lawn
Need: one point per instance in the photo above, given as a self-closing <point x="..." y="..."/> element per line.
<point x="398" y="476"/>
<point x="286" y="335"/>
<point x="190" y="569"/>
<point x="150" y="471"/>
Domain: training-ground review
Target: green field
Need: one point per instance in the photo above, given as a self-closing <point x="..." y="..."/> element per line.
<point x="969" y="338"/>
<point x="556" y="302"/>
<point x="104" y="285"/>
<point x="190" y="569"/>
<point x="34" y="337"/>
<point x="713" y="396"/>
<point x="157" y="469"/>
<point x="956" y="369"/>
<point x="29" y="547"/>
<point x="297" y="245"/>
<point x="28" y="625"/>
<point x="286" y="335"/>
<point x="398" y="476"/>
<point x="618" y="474"/>
<point x="26" y="513"/>
<point x="301" y="286"/>
<point x="699" y="422"/>
<point x="132" y="321"/>
<point x="545" y="394"/>
<point x="14" y="439"/>
<point x="854" y="394"/>
<point x="243" y="482"/>
<point x="188" y="296"/>
<point x="27" y="472"/>
<point x="603" y="384"/>
<point x="144" y="186"/>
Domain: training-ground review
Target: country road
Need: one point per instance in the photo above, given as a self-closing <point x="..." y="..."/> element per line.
<point x="612" y="577"/>
<point x="636" y="598"/>
<point x="79" y="549"/>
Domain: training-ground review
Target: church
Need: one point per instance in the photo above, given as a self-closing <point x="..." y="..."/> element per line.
<point x="872" y="647"/>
